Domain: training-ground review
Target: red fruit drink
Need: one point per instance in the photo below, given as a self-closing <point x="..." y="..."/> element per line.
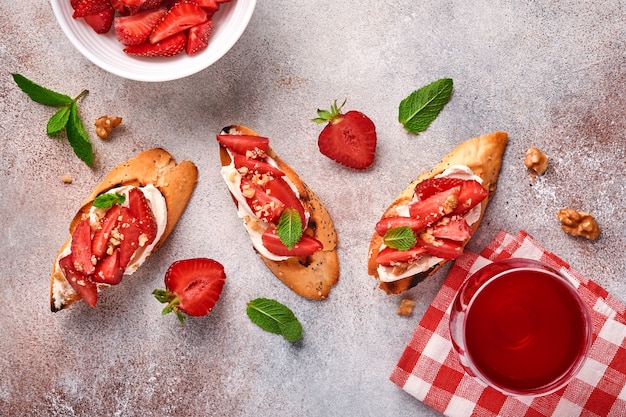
<point x="520" y="327"/>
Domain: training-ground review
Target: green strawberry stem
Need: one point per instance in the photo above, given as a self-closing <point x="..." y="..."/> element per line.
<point x="172" y="301"/>
<point x="332" y="116"/>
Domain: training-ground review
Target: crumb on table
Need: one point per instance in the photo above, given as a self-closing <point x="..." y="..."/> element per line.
<point x="406" y="307"/>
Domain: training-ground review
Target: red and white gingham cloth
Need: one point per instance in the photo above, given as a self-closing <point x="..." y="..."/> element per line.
<point x="430" y="371"/>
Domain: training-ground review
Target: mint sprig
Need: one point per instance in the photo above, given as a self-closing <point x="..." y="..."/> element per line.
<point x="422" y="106"/>
<point x="401" y="238"/>
<point x="107" y="200"/>
<point x="289" y="228"/>
<point x="66" y="117"/>
<point x="274" y="317"/>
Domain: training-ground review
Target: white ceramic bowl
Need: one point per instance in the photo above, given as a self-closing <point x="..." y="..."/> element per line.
<point x="106" y="52"/>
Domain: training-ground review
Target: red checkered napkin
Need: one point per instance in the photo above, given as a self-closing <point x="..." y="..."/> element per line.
<point x="430" y="371"/>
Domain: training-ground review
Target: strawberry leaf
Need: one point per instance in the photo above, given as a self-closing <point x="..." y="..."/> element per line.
<point x="422" y="106"/>
<point x="41" y="94"/>
<point x="289" y="227"/>
<point x="401" y="238"/>
<point x="274" y="317"/>
<point x="77" y="135"/>
<point x="58" y="121"/>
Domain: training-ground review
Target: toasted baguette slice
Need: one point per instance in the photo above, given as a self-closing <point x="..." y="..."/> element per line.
<point x="311" y="277"/>
<point x="483" y="155"/>
<point x="176" y="183"/>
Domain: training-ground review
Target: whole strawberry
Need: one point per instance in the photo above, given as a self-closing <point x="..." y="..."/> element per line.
<point x="349" y="139"/>
<point x="193" y="286"/>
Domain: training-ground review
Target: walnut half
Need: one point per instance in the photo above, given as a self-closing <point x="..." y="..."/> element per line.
<point x="578" y="223"/>
<point x="536" y="161"/>
<point x="105" y="124"/>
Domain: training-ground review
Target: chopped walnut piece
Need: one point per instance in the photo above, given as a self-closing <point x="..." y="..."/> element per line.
<point x="66" y="179"/>
<point x="536" y="161"/>
<point x="406" y="307"/>
<point x="105" y="124"/>
<point x="578" y="223"/>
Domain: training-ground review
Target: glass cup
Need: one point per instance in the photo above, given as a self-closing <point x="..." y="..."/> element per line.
<point x="520" y="327"/>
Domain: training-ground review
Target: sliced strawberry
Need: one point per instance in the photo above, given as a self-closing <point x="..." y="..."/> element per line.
<point x="349" y="139"/>
<point x="135" y="29"/>
<point x="441" y="248"/>
<point x="171" y="46"/>
<point x="431" y="186"/>
<point x="198" y="37"/>
<point x="108" y="270"/>
<point x="280" y="189"/>
<point x="307" y="245"/>
<point x="140" y="208"/>
<point x="452" y="228"/>
<point x="211" y="6"/>
<point x="398" y="221"/>
<point x="101" y="22"/>
<point x="436" y="206"/>
<point x="179" y="18"/>
<point x="81" y="248"/>
<point x="152" y="4"/>
<point x="130" y="231"/>
<point x="248" y="145"/>
<point x="88" y="7"/>
<point x="472" y="193"/>
<point x="82" y="284"/>
<point x="266" y="207"/>
<point x="101" y="236"/>
<point x="390" y="256"/>
<point x="255" y="166"/>
<point x="193" y="286"/>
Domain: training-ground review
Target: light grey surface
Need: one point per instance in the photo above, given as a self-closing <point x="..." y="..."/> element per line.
<point x="552" y="74"/>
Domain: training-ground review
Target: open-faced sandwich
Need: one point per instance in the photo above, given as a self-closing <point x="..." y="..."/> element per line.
<point x="120" y="224"/>
<point x="431" y="221"/>
<point x="290" y="228"/>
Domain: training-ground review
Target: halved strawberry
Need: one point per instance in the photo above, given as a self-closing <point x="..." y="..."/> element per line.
<point x="248" y="145"/>
<point x="472" y="193"/>
<point x="452" y="228"/>
<point x="171" y="46"/>
<point x="82" y="284"/>
<point x="140" y="209"/>
<point x="431" y="186"/>
<point x="441" y="248"/>
<point x="136" y="28"/>
<point x="436" y="206"/>
<point x="84" y="8"/>
<point x="198" y="37"/>
<point x="256" y="166"/>
<point x="80" y="247"/>
<point x="101" y="22"/>
<point x="179" y="18"/>
<point x="390" y="256"/>
<point x="349" y="139"/>
<point x="307" y="245"/>
<point x="193" y="286"/>
<point x="130" y="231"/>
<point x="101" y="236"/>
<point x="280" y="189"/>
<point x="265" y="206"/>
<point x="108" y="270"/>
<point x="398" y="221"/>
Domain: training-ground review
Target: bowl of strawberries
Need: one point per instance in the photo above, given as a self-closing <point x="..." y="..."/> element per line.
<point x="153" y="40"/>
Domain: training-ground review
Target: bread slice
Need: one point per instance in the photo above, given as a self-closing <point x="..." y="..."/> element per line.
<point x="311" y="277"/>
<point x="483" y="155"/>
<point x="176" y="183"/>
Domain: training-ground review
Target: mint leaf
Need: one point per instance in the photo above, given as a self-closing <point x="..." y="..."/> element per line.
<point x="41" y="94"/>
<point x="274" y="317"/>
<point x="289" y="227"/>
<point x="422" y="106"/>
<point x="106" y="200"/>
<point x="77" y="135"/>
<point x="58" y="121"/>
<point x="401" y="238"/>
